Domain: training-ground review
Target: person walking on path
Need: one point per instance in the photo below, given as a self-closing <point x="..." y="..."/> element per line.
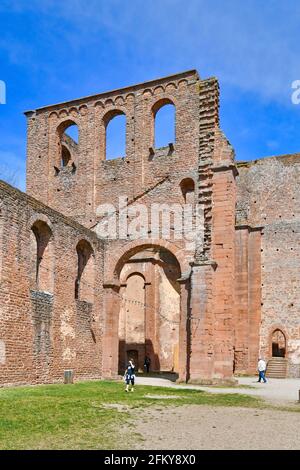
<point x="147" y="363"/>
<point x="130" y="376"/>
<point x="261" y="366"/>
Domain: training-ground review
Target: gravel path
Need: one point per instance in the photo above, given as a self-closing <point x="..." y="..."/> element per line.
<point x="191" y="427"/>
<point x="277" y="391"/>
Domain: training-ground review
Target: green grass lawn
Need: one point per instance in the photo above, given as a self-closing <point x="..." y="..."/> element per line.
<point x="83" y="416"/>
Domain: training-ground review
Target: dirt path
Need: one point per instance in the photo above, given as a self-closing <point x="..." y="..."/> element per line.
<point x="193" y="427"/>
<point x="277" y="391"/>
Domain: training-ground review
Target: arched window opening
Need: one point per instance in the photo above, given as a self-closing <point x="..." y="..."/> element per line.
<point x="68" y="134"/>
<point x="188" y="190"/>
<point x="65" y="156"/>
<point x="278" y="344"/>
<point x="164" y="125"/>
<point x="116" y="137"/>
<point x="42" y="257"/>
<point x="84" y="284"/>
<point x="72" y="132"/>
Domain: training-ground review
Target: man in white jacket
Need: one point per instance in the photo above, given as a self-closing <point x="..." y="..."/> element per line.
<point x="261" y="370"/>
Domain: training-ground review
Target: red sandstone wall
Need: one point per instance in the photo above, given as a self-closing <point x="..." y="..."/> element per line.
<point x="201" y="152"/>
<point x="44" y="333"/>
<point x="97" y="181"/>
<point x="247" y="284"/>
<point x="268" y="196"/>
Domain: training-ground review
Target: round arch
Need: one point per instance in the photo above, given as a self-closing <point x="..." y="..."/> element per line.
<point x="278" y="342"/>
<point x="40" y="218"/>
<point x="119" y="134"/>
<point x="111" y="114"/>
<point x="122" y="255"/>
<point x="160" y="103"/>
<point x="64" y="125"/>
<point x="124" y="278"/>
<point x="161" y="330"/>
<point x="167" y="126"/>
<point x="67" y="146"/>
<point x="85" y="279"/>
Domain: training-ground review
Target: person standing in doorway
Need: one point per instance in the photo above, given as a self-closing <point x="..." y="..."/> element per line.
<point x="130" y="376"/>
<point x="261" y="366"/>
<point x="147" y="363"/>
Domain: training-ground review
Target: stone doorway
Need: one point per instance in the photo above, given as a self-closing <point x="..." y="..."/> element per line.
<point x="278" y="344"/>
<point x="133" y="354"/>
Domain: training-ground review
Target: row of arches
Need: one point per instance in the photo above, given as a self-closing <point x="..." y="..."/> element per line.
<point x="164" y="117"/>
<point x="43" y="263"/>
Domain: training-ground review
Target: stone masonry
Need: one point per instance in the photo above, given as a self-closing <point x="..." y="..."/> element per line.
<point x="72" y="299"/>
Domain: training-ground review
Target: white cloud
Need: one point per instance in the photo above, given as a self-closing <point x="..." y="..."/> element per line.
<point x="250" y="45"/>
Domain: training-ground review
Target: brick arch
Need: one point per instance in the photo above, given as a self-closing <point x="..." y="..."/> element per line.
<point x="61" y="145"/>
<point x="85" y="279"/>
<point x="161" y="102"/>
<point x="132" y="272"/>
<point x="85" y="239"/>
<point x="84" y="242"/>
<point x="117" y="261"/>
<point x="155" y="107"/>
<point x="40" y="218"/>
<point x="65" y="124"/>
<point x="111" y="114"/>
<point x="41" y="255"/>
<point x="107" y="117"/>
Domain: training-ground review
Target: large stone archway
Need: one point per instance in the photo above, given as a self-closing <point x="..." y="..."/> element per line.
<point x="146" y="312"/>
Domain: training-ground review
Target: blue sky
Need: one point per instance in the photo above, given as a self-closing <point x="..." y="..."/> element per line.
<point x="52" y="51"/>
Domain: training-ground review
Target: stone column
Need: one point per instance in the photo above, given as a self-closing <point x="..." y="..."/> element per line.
<point x="255" y="297"/>
<point x="149" y="322"/>
<point x="241" y="299"/>
<point x="184" y="330"/>
<point x="110" y="340"/>
<point x="223" y="253"/>
<point x="247" y="297"/>
<point x="201" y="326"/>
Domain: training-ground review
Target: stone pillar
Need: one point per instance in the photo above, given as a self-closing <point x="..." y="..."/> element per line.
<point x="184" y="331"/>
<point x="223" y="253"/>
<point x="254" y="296"/>
<point x="241" y="300"/>
<point x="149" y="323"/>
<point x="201" y="327"/>
<point x="247" y="298"/>
<point x="110" y="336"/>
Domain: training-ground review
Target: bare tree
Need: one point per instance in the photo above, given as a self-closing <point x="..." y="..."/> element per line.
<point x="9" y="175"/>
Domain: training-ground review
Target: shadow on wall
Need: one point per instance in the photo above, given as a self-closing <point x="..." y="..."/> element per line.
<point x="137" y="352"/>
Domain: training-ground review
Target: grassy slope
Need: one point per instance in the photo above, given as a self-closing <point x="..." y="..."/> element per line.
<point x="75" y="416"/>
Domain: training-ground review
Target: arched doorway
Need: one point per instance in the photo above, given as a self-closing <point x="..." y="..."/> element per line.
<point x="149" y="314"/>
<point x="278" y="344"/>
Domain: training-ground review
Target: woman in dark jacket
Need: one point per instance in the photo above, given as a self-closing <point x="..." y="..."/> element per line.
<point x="130" y="376"/>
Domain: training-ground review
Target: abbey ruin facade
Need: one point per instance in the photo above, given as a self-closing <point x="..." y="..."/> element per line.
<point x="73" y="300"/>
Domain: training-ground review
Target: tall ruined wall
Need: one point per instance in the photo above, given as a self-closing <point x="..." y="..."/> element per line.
<point x="269" y="196"/>
<point x="79" y="191"/>
<point x="44" y="331"/>
<point x="148" y="175"/>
